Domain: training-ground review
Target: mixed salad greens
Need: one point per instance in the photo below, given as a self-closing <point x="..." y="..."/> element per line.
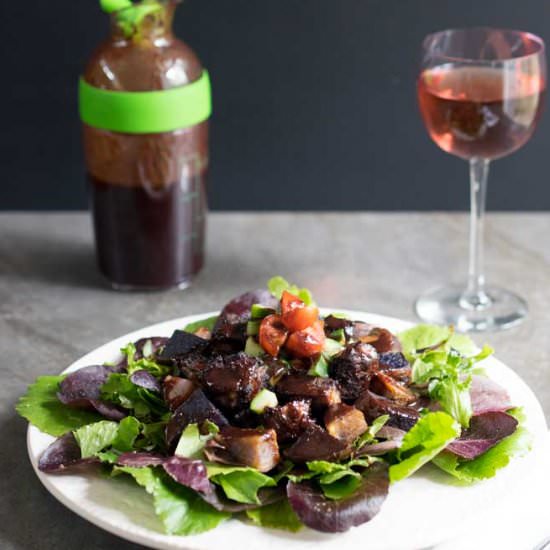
<point x="271" y="413"/>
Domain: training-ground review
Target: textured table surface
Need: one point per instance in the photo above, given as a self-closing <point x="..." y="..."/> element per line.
<point x="54" y="307"/>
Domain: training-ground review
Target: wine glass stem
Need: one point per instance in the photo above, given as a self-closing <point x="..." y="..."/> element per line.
<point x="475" y="297"/>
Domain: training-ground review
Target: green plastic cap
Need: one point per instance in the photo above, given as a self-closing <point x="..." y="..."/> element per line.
<point x="110" y="6"/>
<point x="146" y="112"/>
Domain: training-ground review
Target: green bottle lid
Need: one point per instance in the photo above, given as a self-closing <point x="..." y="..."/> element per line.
<point x="146" y="112"/>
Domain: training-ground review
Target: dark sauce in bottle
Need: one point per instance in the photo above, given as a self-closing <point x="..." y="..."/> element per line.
<point x="147" y="191"/>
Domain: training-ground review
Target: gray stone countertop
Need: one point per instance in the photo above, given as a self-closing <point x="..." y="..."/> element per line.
<point x="54" y="307"/>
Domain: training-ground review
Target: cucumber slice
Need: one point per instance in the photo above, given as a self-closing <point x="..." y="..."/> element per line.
<point x="257" y="311"/>
<point x="263" y="400"/>
<point x="252" y="348"/>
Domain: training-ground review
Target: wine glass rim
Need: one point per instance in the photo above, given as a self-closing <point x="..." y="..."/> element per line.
<point x="535" y="39"/>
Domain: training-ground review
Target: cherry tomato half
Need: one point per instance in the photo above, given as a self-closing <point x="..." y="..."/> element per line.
<point x="295" y="314"/>
<point x="272" y="334"/>
<point x="307" y="342"/>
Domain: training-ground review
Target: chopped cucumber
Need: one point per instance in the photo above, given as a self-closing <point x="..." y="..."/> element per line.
<point x="263" y="400"/>
<point x="253" y="328"/>
<point x="332" y="347"/>
<point x="320" y="367"/>
<point x="257" y="311"/>
<point x="252" y="347"/>
<point x="339" y="335"/>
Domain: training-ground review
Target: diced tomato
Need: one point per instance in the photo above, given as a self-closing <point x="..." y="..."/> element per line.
<point x="272" y="334"/>
<point x="295" y="314"/>
<point x="307" y="342"/>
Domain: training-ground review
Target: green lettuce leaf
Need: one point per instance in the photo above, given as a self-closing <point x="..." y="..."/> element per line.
<point x="145" y="363"/>
<point x="128" y="430"/>
<point x="370" y="435"/>
<point x="239" y="483"/>
<point x="277" y="285"/>
<point x="427" y="438"/>
<point x="207" y="323"/>
<point x="192" y="442"/>
<point x="146" y="477"/>
<point x="439" y="360"/>
<point x="93" y="438"/>
<point x="278" y="515"/>
<point x="181" y="510"/>
<point x="342" y="487"/>
<point x="41" y="407"/>
<point x="336" y="480"/>
<point x="424" y="336"/>
<point x="486" y="465"/>
<point x="119" y="389"/>
<point x="153" y="436"/>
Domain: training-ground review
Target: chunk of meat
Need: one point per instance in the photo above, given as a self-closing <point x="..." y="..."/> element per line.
<point x="403" y="417"/>
<point x="290" y="420"/>
<point x="345" y="423"/>
<point x="233" y="381"/>
<point x="316" y="444"/>
<point x="353" y="330"/>
<point x="193" y="365"/>
<point x="322" y="391"/>
<point x="256" y="448"/>
<point x="353" y="368"/>
<point x="196" y="408"/>
<point x="385" y="385"/>
<point x="181" y="343"/>
<point x="203" y="332"/>
<point x="229" y="334"/>
<point x="396" y="365"/>
<point x="176" y="390"/>
<point x="382" y="340"/>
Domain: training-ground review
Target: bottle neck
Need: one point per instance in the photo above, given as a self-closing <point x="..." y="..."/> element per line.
<point x="144" y="22"/>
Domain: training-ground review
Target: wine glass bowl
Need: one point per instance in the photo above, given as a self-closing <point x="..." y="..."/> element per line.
<point x="486" y="105"/>
<point x="481" y="93"/>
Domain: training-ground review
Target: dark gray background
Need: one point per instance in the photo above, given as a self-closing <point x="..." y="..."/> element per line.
<point x="314" y="101"/>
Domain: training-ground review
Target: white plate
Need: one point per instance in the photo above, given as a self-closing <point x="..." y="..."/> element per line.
<point x="419" y="512"/>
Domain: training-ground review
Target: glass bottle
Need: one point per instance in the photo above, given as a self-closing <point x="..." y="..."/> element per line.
<point x="145" y="103"/>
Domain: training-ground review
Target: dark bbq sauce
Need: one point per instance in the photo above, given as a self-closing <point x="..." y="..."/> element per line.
<point x="149" y="238"/>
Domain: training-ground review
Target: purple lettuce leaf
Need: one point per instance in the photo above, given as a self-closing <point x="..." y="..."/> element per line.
<point x="188" y="472"/>
<point x="229" y="333"/>
<point x="335" y="516"/>
<point x="488" y="396"/>
<point x="240" y="306"/>
<point x="82" y="389"/>
<point x="266" y="495"/>
<point x="485" y="431"/>
<point x="140" y="459"/>
<point x="64" y="455"/>
<point x="378" y="449"/>
<point x="146" y="380"/>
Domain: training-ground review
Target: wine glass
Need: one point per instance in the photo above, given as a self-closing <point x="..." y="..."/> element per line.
<point x="481" y="92"/>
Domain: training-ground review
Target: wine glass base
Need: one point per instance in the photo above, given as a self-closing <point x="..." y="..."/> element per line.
<point x="446" y="306"/>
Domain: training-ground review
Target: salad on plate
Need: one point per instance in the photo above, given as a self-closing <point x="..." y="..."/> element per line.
<point x="275" y="414"/>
